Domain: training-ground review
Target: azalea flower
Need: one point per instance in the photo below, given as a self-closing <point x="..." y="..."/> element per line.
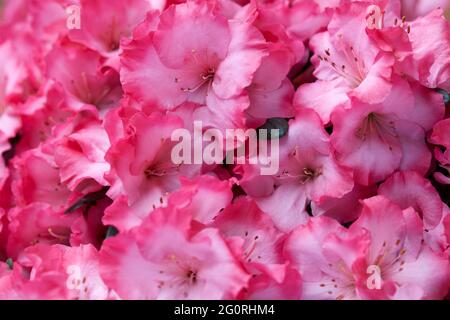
<point x="165" y="258"/>
<point x="77" y="269"/>
<point x="336" y="185"/>
<point x="378" y="139"/>
<point x="143" y="178"/>
<point x="308" y="172"/>
<point x="334" y="261"/>
<point x="347" y="64"/>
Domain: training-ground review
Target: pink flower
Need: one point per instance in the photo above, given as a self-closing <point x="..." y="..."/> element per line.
<point x="347" y="64"/>
<point x="100" y="98"/>
<point x="409" y="189"/>
<point x="79" y="71"/>
<point x="346" y="209"/>
<point x="438" y="238"/>
<point x="14" y="285"/>
<point x="104" y="23"/>
<point x="37" y="179"/>
<point x="193" y="53"/>
<point x="38" y="117"/>
<point x="262" y="240"/>
<point x="377" y="139"/>
<point x="263" y="287"/>
<point x="76" y="267"/>
<point x="418" y="8"/>
<point x="142" y="171"/>
<point x="413" y="44"/>
<point x="205" y="196"/>
<point x="334" y="261"/>
<point x="45" y="19"/>
<point x="430" y="39"/>
<point x="166" y="258"/>
<point x="271" y="92"/>
<point x="308" y="172"/>
<point x="301" y="18"/>
<point x="20" y="72"/>
<point x="37" y="223"/>
<point x="417" y="265"/>
<point x="80" y="154"/>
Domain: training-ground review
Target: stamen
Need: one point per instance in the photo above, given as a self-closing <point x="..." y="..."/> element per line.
<point x="192" y="276"/>
<point x="205" y="78"/>
<point x="87" y="89"/>
<point x="355" y="80"/>
<point x="251" y="248"/>
<point x="376" y="124"/>
<point x="310" y="174"/>
<point x="55" y="235"/>
<point x="161" y="171"/>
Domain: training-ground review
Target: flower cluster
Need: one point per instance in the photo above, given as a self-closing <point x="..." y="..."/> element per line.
<point x="93" y="206"/>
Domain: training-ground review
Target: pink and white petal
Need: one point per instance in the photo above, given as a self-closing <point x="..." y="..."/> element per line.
<point x="384" y="220"/>
<point x="291" y="212"/>
<point x="245" y="53"/>
<point x="191" y="27"/>
<point x="263" y="287"/>
<point x="430" y="272"/>
<point x="415" y="153"/>
<point x="377" y="84"/>
<point x="223" y="113"/>
<point x="127" y="273"/>
<point x="409" y="189"/>
<point x="272" y="104"/>
<point x="429" y="107"/>
<point x="372" y="158"/>
<point x="322" y="96"/>
<point x="335" y="181"/>
<point x="430" y="37"/>
<point x="142" y="68"/>
<point x="304" y="247"/>
<point x="205" y="196"/>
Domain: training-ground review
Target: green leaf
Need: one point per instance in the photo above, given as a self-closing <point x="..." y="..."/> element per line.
<point x="275" y="123"/>
<point x="111" y="232"/>
<point x="10" y="263"/>
<point x="88" y="200"/>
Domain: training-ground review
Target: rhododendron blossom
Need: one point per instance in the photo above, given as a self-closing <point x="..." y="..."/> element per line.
<point x="224" y="150"/>
<point x="334" y="261"/>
